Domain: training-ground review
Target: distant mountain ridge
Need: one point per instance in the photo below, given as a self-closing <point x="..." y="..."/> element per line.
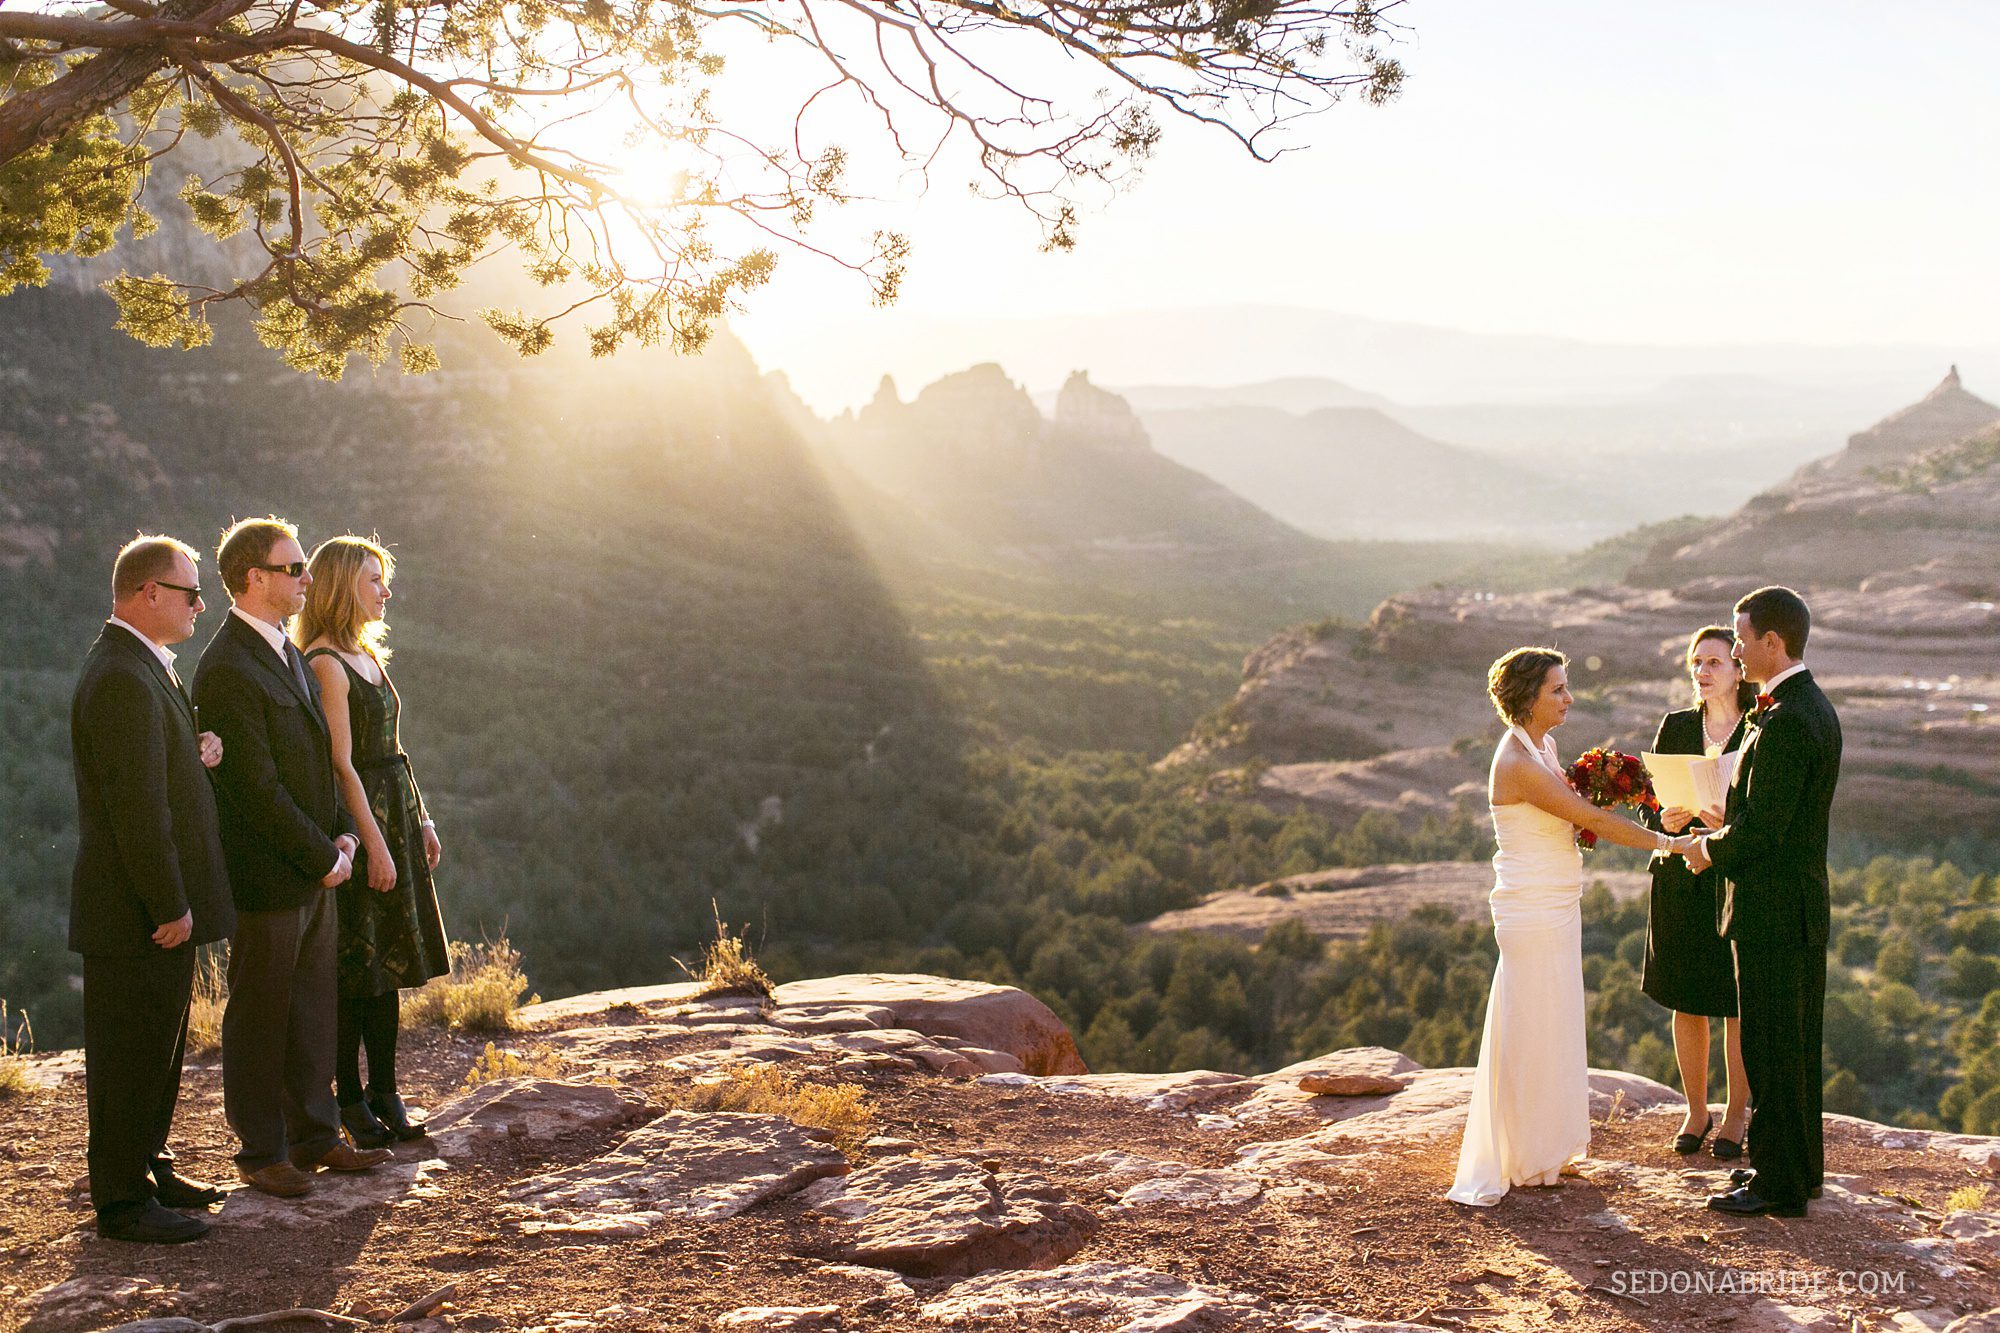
<point x="1298" y="393"/>
<point x="1866" y="513"/>
<point x="1410" y="362"/>
<point x="1357" y="472"/>
<point x="973" y="454"/>
<point x="971" y="465"/>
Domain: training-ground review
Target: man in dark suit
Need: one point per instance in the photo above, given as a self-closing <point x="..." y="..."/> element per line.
<point x="150" y="885"/>
<point x="1771" y="852"/>
<point x="288" y="841"/>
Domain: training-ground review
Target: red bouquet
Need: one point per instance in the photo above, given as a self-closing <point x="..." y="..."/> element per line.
<point x="1607" y="778"/>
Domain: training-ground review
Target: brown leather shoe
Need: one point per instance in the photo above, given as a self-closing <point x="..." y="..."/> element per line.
<point x="280" y="1178"/>
<point x="340" y="1157"/>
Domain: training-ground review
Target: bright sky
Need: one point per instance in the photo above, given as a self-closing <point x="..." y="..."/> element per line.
<point x="1699" y="172"/>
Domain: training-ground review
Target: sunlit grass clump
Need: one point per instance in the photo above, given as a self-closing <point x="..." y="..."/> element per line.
<point x="1966" y="1199"/>
<point x="480" y="993"/>
<point x="727" y="967"/>
<point x="494" y="1063"/>
<point x="210" y="999"/>
<point x="17" y="1043"/>
<point x="841" y="1109"/>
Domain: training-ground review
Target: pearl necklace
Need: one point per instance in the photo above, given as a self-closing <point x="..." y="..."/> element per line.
<point x="1710" y="736"/>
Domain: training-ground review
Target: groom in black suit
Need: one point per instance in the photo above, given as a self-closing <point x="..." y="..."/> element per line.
<point x="1772" y="855"/>
<point x="150" y="885"/>
<point x="289" y="841"/>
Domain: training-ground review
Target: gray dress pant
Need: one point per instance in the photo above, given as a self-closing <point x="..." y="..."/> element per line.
<point x="278" y="1035"/>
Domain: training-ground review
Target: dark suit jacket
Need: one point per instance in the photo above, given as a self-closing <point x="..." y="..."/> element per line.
<point x="1773" y="853"/>
<point x="280" y="808"/>
<point x="148" y="849"/>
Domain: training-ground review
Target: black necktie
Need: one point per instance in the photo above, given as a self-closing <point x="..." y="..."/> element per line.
<point x="298" y="664"/>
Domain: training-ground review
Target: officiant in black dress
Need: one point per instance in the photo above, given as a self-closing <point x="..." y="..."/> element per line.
<point x="1689" y="967"/>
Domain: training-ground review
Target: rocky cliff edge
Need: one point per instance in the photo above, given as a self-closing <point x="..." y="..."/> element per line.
<point x="994" y="1184"/>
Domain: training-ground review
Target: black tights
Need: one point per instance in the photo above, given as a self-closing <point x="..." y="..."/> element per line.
<point x="371" y="1021"/>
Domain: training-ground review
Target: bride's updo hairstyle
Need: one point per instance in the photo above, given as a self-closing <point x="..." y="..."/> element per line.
<point x="1515" y="681"/>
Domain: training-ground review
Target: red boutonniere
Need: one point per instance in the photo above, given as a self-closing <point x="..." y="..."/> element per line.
<point x="1764" y="701"/>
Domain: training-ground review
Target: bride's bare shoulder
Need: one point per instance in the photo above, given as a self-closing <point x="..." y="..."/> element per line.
<point x="1507" y="759"/>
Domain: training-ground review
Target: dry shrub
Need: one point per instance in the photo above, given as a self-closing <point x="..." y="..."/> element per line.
<point x="1966" y="1199"/>
<point x="763" y="1089"/>
<point x="727" y="967"/>
<point x="17" y="1043"/>
<point x="480" y="994"/>
<point x="494" y="1063"/>
<point x="210" y="998"/>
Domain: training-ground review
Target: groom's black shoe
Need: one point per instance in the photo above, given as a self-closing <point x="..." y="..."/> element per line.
<point x="1746" y="1202"/>
<point x="1743" y="1175"/>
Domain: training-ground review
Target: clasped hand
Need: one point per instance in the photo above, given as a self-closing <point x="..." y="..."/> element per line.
<point x="1689" y="848"/>
<point x="342" y="868"/>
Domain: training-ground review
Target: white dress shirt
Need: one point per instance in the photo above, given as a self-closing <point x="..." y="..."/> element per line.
<point x="1771" y="685"/>
<point x="159" y="650"/>
<point x="270" y="633"/>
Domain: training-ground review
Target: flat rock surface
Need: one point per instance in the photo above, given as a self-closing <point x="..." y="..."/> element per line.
<point x="705" y="1166"/>
<point x="995" y="1018"/>
<point x="782" y="1318"/>
<point x="538" y="1110"/>
<point x="1155" y="1092"/>
<point x="405" y="1181"/>
<point x="88" y="1297"/>
<point x="1131" y="1299"/>
<point x="932" y="1216"/>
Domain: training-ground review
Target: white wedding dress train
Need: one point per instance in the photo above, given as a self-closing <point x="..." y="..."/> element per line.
<point x="1530" y="1109"/>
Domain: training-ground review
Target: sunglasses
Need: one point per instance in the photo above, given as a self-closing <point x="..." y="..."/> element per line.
<point x="293" y="570"/>
<point x="193" y="594"/>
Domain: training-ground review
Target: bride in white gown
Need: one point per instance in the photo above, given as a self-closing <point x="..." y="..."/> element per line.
<point x="1530" y="1109"/>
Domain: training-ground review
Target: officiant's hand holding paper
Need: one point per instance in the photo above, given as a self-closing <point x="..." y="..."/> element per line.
<point x="1675" y="818"/>
<point x="1715" y="819"/>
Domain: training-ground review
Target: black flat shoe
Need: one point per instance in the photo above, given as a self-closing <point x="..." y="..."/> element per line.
<point x="151" y="1223"/>
<point x="363" y="1128"/>
<point x="1725" y="1150"/>
<point x="178" y="1192"/>
<point x="1746" y="1202"/>
<point x="1687" y="1145"/>
<point x="394" y="1116"/>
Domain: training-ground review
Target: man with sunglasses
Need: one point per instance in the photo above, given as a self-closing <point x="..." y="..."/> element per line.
<point x="151" y="883"/>
<point x="288" y="840"/>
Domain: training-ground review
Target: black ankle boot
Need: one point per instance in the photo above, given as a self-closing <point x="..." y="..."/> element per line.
<point x="363" y="1128"/>
<point x="393" y="1115"/>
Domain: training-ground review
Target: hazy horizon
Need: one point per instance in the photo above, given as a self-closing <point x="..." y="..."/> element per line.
<point x="1793" y="175"/>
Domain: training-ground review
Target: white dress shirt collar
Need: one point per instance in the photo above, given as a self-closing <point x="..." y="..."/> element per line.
<point x="159" y="650"/>
<point x="270" y="633"/>
<point x="1771" y="685"/>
